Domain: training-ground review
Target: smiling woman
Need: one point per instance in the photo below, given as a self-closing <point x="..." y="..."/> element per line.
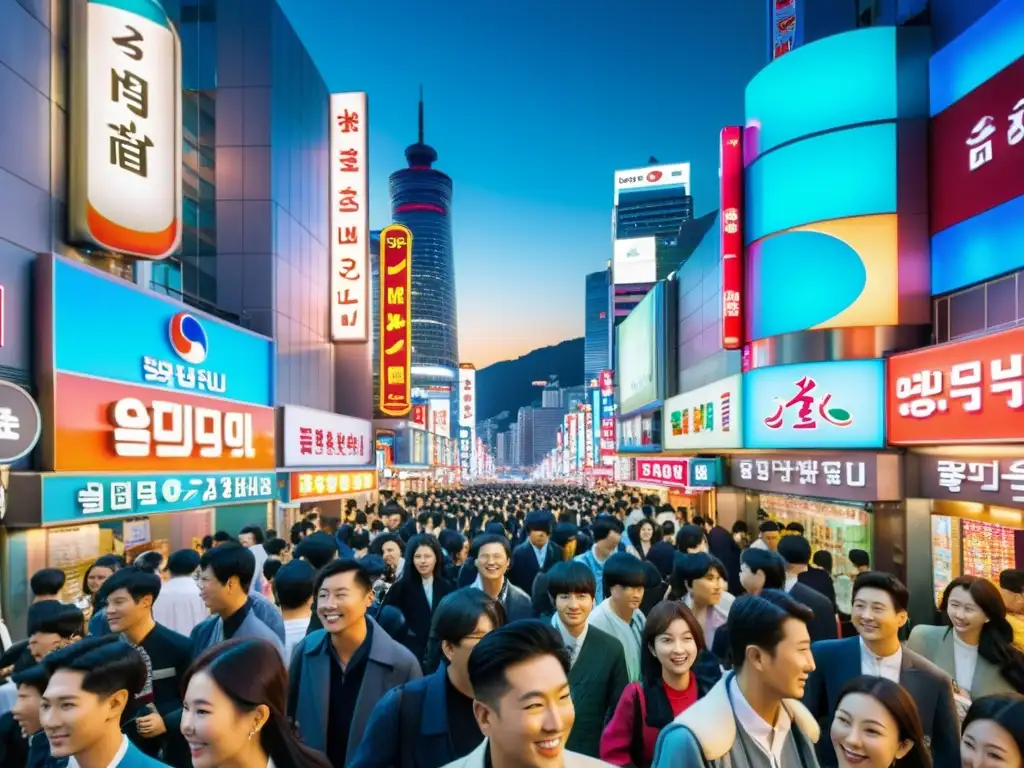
<point x="877" y="726"/>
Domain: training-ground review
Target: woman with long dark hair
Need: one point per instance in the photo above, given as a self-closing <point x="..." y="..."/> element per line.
<point x="994" y="733"/>
<point x="421" y="587"/>
<point x="877" y="726"/>
<point x="674" y="674"/>
<point x="97" y="573"/>
<point x="641" y="538"/>
<point x="233" y="710"/>
<point x="975" y="647"/>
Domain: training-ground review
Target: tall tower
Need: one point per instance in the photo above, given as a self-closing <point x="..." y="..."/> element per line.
<point x="421" y="199"/>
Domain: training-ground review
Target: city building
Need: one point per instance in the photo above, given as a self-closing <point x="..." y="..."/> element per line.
<point x="651" y="201"/>
<point x="502" y="453"/>
<point x="551" y="397"/>
<point x="538" y="433"/>
<point x="421" y="199"/>
<point x="597" y="324"/>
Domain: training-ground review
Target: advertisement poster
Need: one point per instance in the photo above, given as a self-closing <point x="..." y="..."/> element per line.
<point x="395" y="321"/>
<point x="636" y="346"/>
<point x="730" y="219"/>
<point x="704" y="418"/>
<point x="783" y="26"/>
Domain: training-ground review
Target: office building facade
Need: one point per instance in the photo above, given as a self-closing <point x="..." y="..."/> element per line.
<point x="597" y="324"/>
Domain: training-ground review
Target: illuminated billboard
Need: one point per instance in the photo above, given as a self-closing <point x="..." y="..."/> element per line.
<point x="652" y="177"/>
<point x="730" y="221"/>
<point x="635" y="261"/>
<point x="124" y="130"/>
<point x="636" y="347"/>
<point x="396" y="321"/>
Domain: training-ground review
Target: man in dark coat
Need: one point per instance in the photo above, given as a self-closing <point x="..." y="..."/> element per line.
<point x="537" y="554"/>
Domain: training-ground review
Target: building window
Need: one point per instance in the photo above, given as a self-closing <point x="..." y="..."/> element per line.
<point x="990" y="306"/>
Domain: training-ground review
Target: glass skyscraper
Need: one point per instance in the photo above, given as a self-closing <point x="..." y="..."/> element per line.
<point x="657" y="211"/>
<point x="597" y="324"/>
<point x="421" y="199"/>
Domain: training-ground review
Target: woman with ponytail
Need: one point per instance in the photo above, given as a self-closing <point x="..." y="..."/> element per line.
<point x="233" y="710"/>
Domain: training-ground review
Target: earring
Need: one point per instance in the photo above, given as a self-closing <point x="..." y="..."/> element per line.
<point x="252" y="733"/>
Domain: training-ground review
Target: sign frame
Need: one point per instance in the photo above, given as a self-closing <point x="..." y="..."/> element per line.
<point x="395" y="398"/>
<point x="9" y="387"/>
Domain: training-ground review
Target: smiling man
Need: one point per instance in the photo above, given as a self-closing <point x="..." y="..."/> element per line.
<point x="522" y="703"/>
<point x="494" y="555"/>
<point x="91" y="682"/>
<point x="340" y="672"/>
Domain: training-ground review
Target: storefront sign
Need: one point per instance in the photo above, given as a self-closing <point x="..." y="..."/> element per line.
<point x="441" y="417"/>
<point x="841" y="476"/>
<point x="706" y="472"/>
<point x="312" y="438"/>
<point x="419" y="414"/>
<point x="465" y="451"/>
<point x="588" y="438"/>
<point x="606" y="381"/>
<point x="672" y="473"/>
<point x="106" y="426"/>
<point x="20" y="423"/>
<point x="815" y="405"/>
<point x="350" y="221"/>
<point x="731" y="234"/>
<point x="395" y="321"/>
<point x="707" y="417"/>
<point x="999" y="482"/>
<point x="467" y="417"/>
<point x="969" y="391"/>
<point x="312" y="485"/>
<point x="70" y="498"/>
<point x="124" y="191"/>
<point x="165" y="346"/>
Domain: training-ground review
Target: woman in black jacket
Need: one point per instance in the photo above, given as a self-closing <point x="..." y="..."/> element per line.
<point x="419" y="590"/>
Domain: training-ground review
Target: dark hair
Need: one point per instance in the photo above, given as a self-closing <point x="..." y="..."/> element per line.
<point x="250" y="672"/>
<point x="661" y="617"/>
<point x="860" y="558"/>
<point x="769" y="526"/>
<point x="409" y="573"/>
<point x="570" y="578"/>
<point x="151" y="561"/>
<point x="1012" y="580"/>
<point x="318" y="549"/>
<point x="113" y="562"/>
<point x="539" y="520"/>
<point x="451" y="541"/>
<point x="686" y="569"/>
<point x="901" y="706"/>
<point x="512" y="644"/>
<point x="359" y="540"/>
<point x="293" y="584"/>
<point x="456" y="617"/>
<point x="136" y="581"/>
<point x="183" y="562"/>
<point x="795" y="527"/>
<point x="622" y="570"/>
<point x="222" y="537"/>
<point x="343" y="565"/>
<point x="823" y="559"/>
<point x="996" y="645"/>
<point x="47" y="581"/>
<point x="690" y="536"/>
<point x="270" y="568"/>
<point x="604" y="526"/>
<point x="275" y="547"/>
<point x="767" y="562"/>
<point x="206" y="543"/>
<point x="55" y="618"/>
<point x="633" y="532"/>
<point x="492" y="538"/>
<point x="1005" y="710"/>
<point x="795" y="549"/>
<point x="377" y="545"/>
<point x="109" y="665"/>
<point x="886" y="582"/>
<point x="230" y="559"/>
<point x="329" y="524"/>
<point x="759" y="619"/>
<point x="35" y="676"/>
<point x="740" y="526"/>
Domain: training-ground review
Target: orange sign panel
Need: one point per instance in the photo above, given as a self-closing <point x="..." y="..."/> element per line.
<point x="107" y="426"/>
<point x="395" y="321"/>
<point x="312" y="485"/>
<point x="969" y="391"/>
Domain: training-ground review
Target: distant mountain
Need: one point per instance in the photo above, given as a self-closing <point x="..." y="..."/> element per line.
<point x="508" y="385"/>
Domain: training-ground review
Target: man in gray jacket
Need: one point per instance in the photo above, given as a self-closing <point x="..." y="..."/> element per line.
<point x="224" y="581"/>
<point x="752" y="718"/>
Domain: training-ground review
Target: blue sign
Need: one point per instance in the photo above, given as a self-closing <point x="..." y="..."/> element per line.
<point x="110" y="329"/>
<point x="595" y="415"/>
<point x="705" y="473"/>
<point x="979" y="248"/>
<point x="83" y="498"/>
<point x="815" y="405"/>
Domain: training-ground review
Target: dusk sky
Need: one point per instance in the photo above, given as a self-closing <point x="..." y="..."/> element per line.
<point x="531" y="106"/>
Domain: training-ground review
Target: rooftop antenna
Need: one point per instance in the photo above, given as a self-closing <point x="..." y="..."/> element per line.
<point x="421" y="113"/>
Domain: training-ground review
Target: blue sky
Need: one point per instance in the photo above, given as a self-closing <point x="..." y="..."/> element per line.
<point x="531" y="106"/>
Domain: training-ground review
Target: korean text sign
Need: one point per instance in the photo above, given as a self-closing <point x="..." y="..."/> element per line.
<point x="72" y="498"/>
<point x="844" y="476"/>
<point x="672" y="473"/>
<point x="731" y="226"/>
<point x="966" y="392"/>
<point x="350" y="222"/>
<point x="312" y="438"/>
<point x="395" y="320"/>
<point x="706" y="417"/>
<point x="996" y="481"/>
<point x="837" y="404"/>
<point x="311" y="485"/>
<point x="124" y="190"/>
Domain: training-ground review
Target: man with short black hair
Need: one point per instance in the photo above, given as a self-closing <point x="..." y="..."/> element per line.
<point x="770" y="534"/>
<point x="607" y="532"/>
<point x="619" y="614"/>
<point x="796" y="551"/>
<point x="293" y="586"/>
<point x="46" y="584"/>
<point x="180" y="607"/>
<point x="753" y="716"/>
<point x="91" y="683"/>
<point x="52" y="625"/>
<point x="1011" y="586"/>
<point x="522" y="702"/>
<point x="30" y="684"/>
<point x="860" y="560"/>
<point x="880" y="604"/>
<point x="493" y="557"/>
<point x="537" y="554"/>
<point x="251" y="537"/>
<point x="339" y="673"/>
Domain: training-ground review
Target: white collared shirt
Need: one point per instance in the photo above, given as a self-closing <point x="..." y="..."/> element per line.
<point x="791" y="579"/>
<point x="770" y="739"/>
<point x="121" y="752"/>
<point x="965" y="661"/>
<point x="572" y="644"/>
<point x="428" y="590"/>
<point x="888" y="667"/>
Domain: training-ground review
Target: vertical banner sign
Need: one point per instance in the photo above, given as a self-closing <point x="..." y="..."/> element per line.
<point x="731" y="222"/>
<point x="595" y="426"/>
<point x="783" y="26"/>
<point x="350" y="222"/>
<point x="396" y="321"/>
<point x="573" y="450"/>
<point x="588" y="437"/>
<point x="467" y="409"/>
<point x="606" y="381"/>
<point x="124" y="190"/>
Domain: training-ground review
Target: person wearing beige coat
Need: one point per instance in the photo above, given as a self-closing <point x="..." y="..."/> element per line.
<point x="939" y="646"/>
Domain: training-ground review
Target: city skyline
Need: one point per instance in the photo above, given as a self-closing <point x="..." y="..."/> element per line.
<point x="536" y="203"/>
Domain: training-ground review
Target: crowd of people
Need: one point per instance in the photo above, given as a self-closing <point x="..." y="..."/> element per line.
<point x="512" y="625"/>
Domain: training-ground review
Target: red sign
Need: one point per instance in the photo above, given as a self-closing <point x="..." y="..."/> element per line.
<point x="396" y="321"/>
<point x="672" y="473"/>
<point x="419" y="415"/>
<point x="731" y="223"/>
<point x="606" y="380"/>
<point x="977" y="150"/>
<point x="966" y="392"/>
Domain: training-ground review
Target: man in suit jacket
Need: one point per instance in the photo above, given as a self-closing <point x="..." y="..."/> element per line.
<point x="339" y="673"/>
<point x="537" y="554"/>
<point x="879" y="611"/>
<point x="796" y="551"/>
